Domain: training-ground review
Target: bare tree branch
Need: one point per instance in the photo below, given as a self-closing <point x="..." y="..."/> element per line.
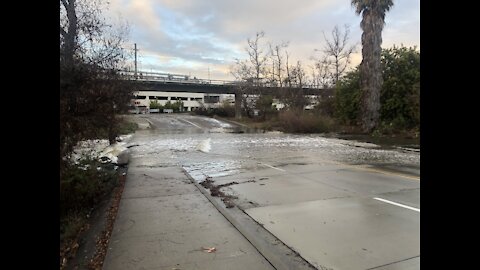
<point x="338" y="51"/>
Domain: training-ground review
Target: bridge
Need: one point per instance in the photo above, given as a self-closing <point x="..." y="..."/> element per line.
<point x="167" y="82"/>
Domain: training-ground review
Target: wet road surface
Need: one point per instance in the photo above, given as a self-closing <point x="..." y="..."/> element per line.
<point x="341" y="204"/>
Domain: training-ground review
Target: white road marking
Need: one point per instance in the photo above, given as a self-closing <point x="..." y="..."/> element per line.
<point x="273" y="167"/>
<point x="191" y="123"/>
<point x="398" y="204"/>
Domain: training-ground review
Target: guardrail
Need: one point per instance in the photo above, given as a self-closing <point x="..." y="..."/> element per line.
<point x="169" y="77"/>
<point x="186" y="79"/>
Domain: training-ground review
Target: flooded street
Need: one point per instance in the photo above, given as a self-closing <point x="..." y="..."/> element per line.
<point x="208" y="147"/>
<point x="341" y="204"/>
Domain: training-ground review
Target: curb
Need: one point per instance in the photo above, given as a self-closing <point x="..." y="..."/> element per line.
<point x="277" y="253"/>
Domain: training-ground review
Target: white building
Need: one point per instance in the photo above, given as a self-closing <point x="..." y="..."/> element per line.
<point x="191" y="101"/>
<point x="194" y="101"/>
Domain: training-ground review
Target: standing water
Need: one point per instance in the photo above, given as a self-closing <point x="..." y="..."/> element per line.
<point x="209" y="148"/>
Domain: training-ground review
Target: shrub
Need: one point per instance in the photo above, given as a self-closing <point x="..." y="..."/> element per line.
<point x="225" y="110"/>
<point x="126" y="127"/>
<point x="347" y="98"/>
<point x="82" y="186"/>
<point x="305" y="122"/>
<point x="155" y="105"/>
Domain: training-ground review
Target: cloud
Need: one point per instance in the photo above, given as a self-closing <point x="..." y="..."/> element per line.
<point x="202" y="34"/>
<point x="139" y="13"/>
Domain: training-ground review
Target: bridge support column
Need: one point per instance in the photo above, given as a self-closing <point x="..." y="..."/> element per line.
<point x="238" y="103"/>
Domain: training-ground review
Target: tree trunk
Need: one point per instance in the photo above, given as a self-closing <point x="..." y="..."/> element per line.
<point x="370" y="70"/>
<point x="71" y="35"/>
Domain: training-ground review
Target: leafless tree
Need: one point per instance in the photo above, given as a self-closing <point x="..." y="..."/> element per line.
<point x="277" y="63"/>
<point x="288" y="79"/>
<point x="299" y="75"/>
<point x="323" y="76"/>
<point x="257" y="57"/>
<point x="252" y="72"/>
<point x="338" y="52"/>
<point x="293" y="95"/>
<point x="272" y="62"/>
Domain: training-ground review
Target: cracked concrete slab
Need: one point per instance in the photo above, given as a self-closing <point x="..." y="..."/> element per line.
<point x="344" y="233"/>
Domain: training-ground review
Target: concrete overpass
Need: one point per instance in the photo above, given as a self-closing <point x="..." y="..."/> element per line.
<point x="166" y="82"/>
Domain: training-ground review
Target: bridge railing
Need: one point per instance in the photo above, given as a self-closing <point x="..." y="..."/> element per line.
<point x="169" y="77"/>
<point x="186" y="79"/>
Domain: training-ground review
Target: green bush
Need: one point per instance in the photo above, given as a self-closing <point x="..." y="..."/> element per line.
<point x="155" y="105"/>
<point x="347" y="98"/>
<point x="82" y="186"/>
<point x="177" y="106"/>
<point x="399" y="96"/>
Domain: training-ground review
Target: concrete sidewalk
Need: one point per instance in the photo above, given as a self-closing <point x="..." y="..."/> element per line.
<point x="165" y="222"/>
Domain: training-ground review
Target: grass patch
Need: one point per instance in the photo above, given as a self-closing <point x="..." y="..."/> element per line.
<point x="127" y="127"/>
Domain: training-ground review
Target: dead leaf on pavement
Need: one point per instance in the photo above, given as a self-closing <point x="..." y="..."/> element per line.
<point x="209" y="250"/>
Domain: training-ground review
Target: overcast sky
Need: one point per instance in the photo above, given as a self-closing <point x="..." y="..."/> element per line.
<point x="193" y="36"/>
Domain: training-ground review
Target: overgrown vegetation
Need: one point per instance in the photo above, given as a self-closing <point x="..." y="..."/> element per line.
<point x="400" y="102"/>
<point x="92" y="94"/>
<point x="347" y="98"/>
<point x="400" y="93"/>
<point x="301" y="121"/>
<point x="92" y="91"/>
<point x="84" y="185"/>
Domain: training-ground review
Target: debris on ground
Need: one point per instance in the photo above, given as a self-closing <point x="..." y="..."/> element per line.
<point x="209" y="250"/>
<point x="216" y="192"/>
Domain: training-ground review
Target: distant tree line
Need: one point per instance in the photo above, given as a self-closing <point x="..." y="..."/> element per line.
<point x="399" y="107"/>
<point x="382" y="93"/>
<point x="270" y="65"/>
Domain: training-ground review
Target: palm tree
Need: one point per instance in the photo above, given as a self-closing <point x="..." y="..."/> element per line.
<point x="373" y="20"/>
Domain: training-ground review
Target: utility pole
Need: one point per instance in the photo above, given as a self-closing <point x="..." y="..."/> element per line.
<point x="209" y="74"/>
<point x="135" y="60"/>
